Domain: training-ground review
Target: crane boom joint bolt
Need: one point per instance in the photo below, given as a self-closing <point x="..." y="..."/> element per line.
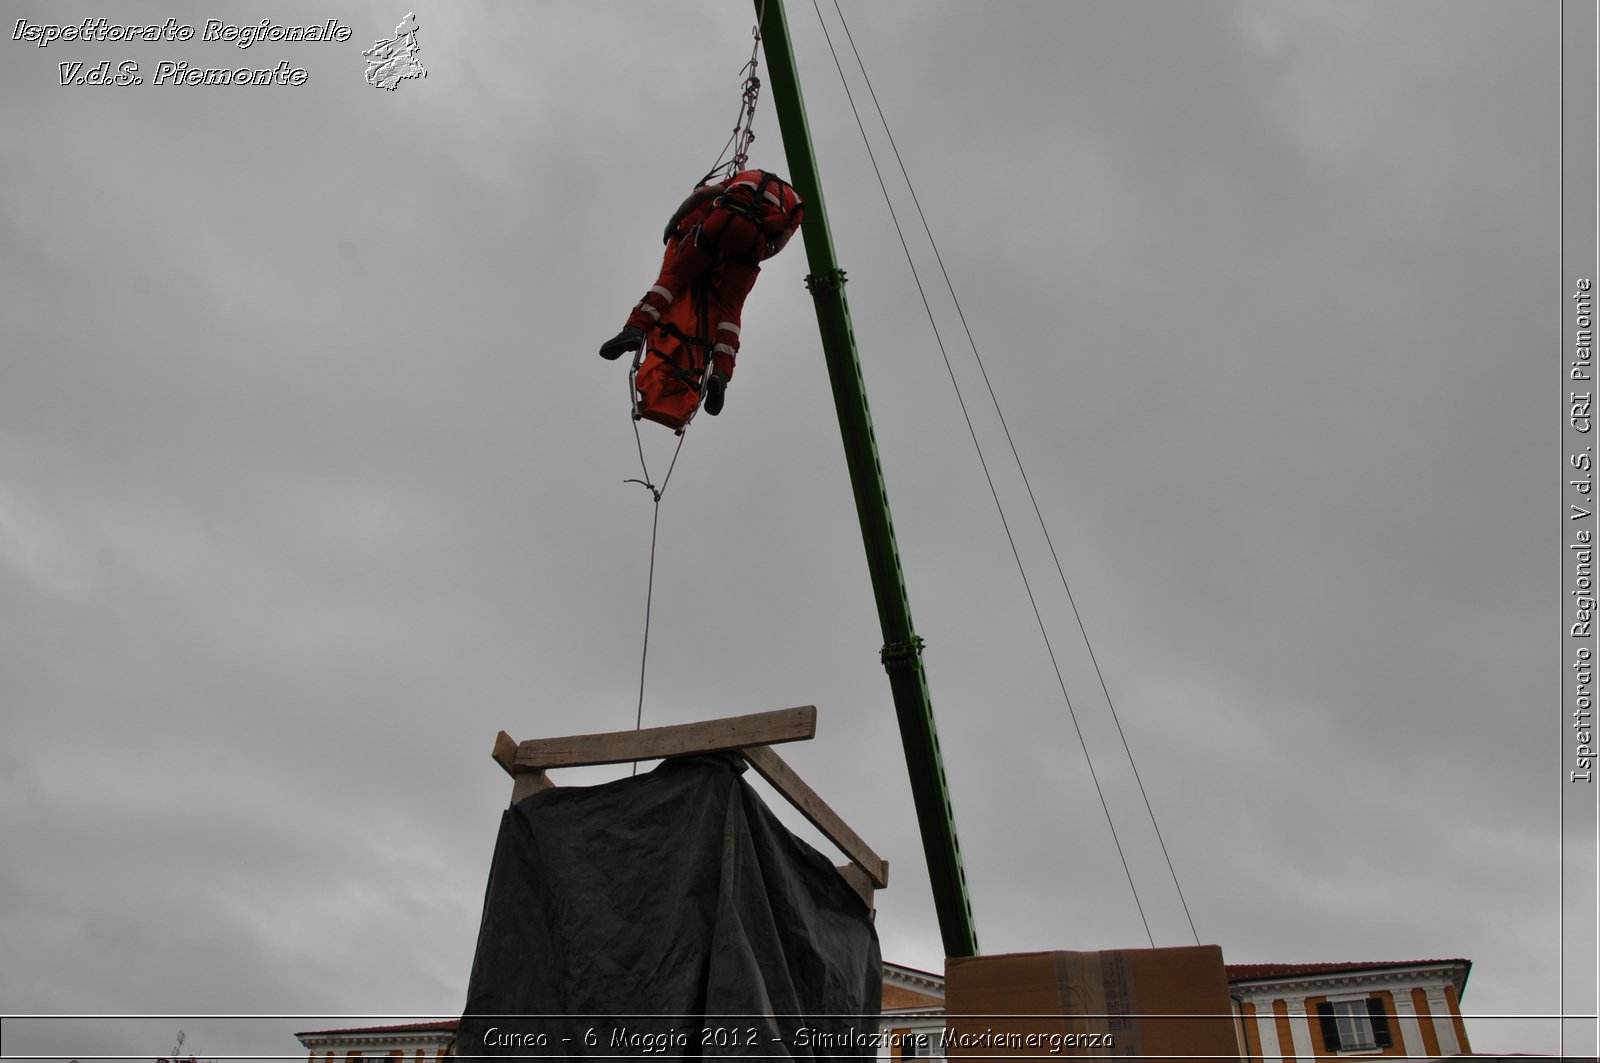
<point x="900" y="655"/>
<point x="830" y="281"/>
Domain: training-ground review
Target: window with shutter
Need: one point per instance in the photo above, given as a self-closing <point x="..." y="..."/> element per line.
<point x="1380" y="1023"/>
<point x="1330" y="1028"/>
<point x="1354" y="1024"/>
<point x="921" y="1048"/>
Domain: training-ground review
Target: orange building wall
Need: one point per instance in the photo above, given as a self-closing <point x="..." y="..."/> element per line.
<point x="1320" y="1050"/>
<point x="895" y="996"/>
<point x="1280" y="1019"/>
<point x="1455" y="1017"/>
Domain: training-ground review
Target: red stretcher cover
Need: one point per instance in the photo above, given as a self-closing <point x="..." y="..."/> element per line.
<point x="669" y="377"/>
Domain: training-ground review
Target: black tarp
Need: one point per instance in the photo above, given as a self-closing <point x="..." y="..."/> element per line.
<point x="668" y="914"/>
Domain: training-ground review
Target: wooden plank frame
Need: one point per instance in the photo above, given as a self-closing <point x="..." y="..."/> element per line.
<point x="523" y="783"/>
<point x="783" y="778"/>
<point x="751" y="736"/>
<point x="656" y="743"/>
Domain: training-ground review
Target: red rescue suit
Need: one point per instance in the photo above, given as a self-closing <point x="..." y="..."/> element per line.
<point x="727" y="228"/>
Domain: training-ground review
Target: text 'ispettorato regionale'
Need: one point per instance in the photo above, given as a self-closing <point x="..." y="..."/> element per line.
<point x="168" y="72"/>
<point x="243" y="34"/>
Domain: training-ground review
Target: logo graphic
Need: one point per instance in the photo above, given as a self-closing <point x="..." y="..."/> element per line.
<point x="391" y="61"/>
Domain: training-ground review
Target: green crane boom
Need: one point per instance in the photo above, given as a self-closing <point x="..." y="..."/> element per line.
<point x="902" y="650"/>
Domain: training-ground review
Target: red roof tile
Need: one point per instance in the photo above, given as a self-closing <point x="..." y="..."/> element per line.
<point x="1249" y="972"/>
<point x="441" y="1026"/>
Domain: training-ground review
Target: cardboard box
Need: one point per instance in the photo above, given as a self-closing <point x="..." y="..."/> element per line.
<point x="1140" y="1003"/>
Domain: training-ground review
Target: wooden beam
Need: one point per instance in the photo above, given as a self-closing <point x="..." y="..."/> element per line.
<point x="505" y="753"/>
<point x="655" y="743"/>
<point x="814" y="808"/>
<point x="750" y="735"/>
<point x="529" y="782"/>
<point x="859" y="882"/>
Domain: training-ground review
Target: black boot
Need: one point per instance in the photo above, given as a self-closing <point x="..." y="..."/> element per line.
<point x="628" y="340"/>
<point x="716" y="391"/>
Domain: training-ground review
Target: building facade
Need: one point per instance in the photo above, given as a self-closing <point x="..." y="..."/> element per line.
<point x="912" y="1019"/>
<point x="1283" y="1012"/>
<point x="417" y="1042"/>
<point x="1317" y="1011"/>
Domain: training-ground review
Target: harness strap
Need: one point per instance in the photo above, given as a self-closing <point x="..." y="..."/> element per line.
<point x="743" y="208"/>
<point x="681" y="336"/>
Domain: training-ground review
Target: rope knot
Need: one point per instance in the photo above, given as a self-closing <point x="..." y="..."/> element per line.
<point x="648" y="486"/>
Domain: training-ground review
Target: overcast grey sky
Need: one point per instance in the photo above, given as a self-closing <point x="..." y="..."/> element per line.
<point x="311" y="481"/>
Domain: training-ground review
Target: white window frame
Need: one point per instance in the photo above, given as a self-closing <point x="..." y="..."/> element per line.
<point x="1354" y="1023"/>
